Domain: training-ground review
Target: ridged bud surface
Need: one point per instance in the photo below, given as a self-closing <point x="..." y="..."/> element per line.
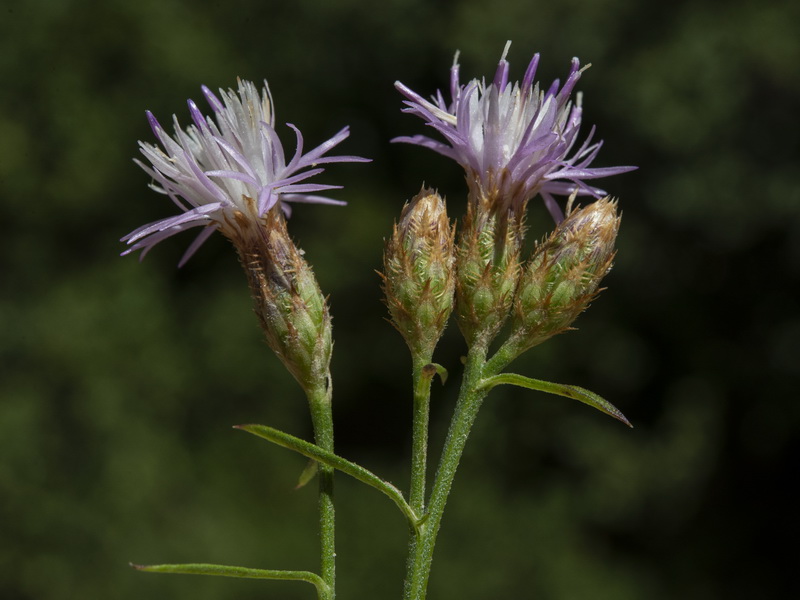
<point x="487" y="267"/>
<point x="564" y="273"/>
<point x="288" y="301"/>
<point x="418" y="278"/>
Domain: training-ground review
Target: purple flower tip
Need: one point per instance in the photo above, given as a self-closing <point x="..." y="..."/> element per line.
<point x="154" y="124"/>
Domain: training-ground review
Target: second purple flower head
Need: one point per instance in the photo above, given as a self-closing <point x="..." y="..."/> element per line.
<point x="514" y="141"/>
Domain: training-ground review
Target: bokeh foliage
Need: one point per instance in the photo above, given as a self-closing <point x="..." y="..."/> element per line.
<point x="119" y="381"/>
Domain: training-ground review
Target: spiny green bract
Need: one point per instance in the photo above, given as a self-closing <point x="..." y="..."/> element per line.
<point x="564" y="274"/>
<point x="418" y="279"/>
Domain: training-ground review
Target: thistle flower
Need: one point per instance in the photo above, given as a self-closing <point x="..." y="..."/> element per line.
<point x="221" y="169"/>
<point x="514" y="141"/>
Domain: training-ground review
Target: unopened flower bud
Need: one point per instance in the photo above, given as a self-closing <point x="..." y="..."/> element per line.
<point x="564" y="273"/>
<point x="288" y="301"/>
<point x="487" y="267"/>
<point x="418" y="278"/>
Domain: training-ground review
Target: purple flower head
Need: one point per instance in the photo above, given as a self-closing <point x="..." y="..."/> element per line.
<point x="230" y="169"/>
<point x="515" y="141"/>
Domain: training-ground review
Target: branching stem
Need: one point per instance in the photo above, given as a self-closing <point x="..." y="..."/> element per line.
<point x="469" y="401"/>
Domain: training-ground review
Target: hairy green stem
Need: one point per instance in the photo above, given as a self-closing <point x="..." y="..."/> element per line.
<point x="422" y="377"/>
<point x="319" y="400"/>
<point x="503" y="357"/>
<point x="469" y="401"/>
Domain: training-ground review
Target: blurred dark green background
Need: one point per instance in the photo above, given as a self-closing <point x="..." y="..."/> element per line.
<point x="120" y="381"/>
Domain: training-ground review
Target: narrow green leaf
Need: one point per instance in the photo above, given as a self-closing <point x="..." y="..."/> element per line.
<point x="559" y="389"/>
<point x="308" y="474"/>
<point x="228" y="571"/>
<point x="332" y="460"/>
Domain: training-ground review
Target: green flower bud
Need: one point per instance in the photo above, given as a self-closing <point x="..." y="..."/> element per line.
<point x="563" y="275"/>
<point x="418" y="277"/>
<point x="487" y="267"/>
<point x="288" y="301"/>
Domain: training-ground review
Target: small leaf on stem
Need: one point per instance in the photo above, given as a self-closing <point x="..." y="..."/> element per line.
<point x="335" y="461"/>
<point x="308" y="474"/>
<point x="432" y="369"/>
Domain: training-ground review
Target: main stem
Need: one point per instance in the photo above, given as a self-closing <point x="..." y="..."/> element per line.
<point x="319" y="400"/>
<point x="469" y="402"/>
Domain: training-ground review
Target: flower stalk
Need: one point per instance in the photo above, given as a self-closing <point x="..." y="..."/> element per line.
<point x="296" y="322"/>
<point x="229" y="173"/>
<point x="319" y="401"/>
<point x="514" y="142"/>
<point x="418" y="284"/>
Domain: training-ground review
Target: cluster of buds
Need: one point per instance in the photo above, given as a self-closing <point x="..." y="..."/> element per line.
<point x="543" y="297"/>
<point x="418" y="278"/>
